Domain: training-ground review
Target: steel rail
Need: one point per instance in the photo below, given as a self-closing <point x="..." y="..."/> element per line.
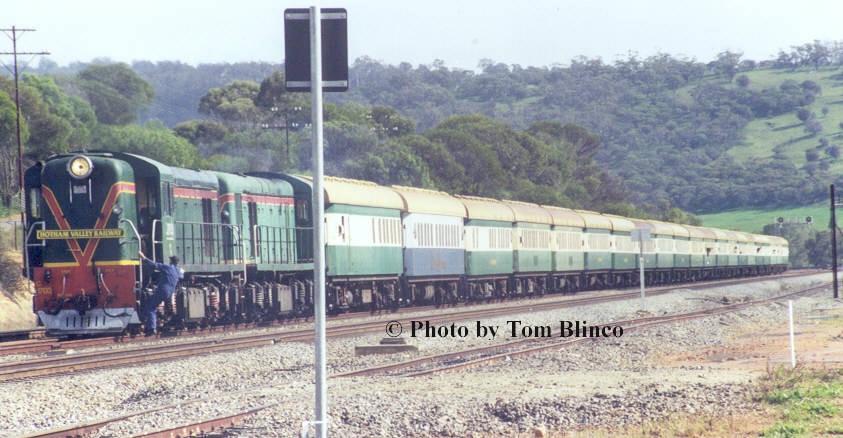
<point x="56" y="364"/>
<point x="500" y="352"/>
<point x="230" y="420"/>
<point x="49" y="344"/>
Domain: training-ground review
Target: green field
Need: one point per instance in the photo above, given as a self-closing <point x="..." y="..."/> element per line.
<point x="785" y="135"/>
<point x="753" y="221"/>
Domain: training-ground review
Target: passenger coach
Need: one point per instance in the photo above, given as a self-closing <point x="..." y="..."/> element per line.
<point x="246" y="245"/>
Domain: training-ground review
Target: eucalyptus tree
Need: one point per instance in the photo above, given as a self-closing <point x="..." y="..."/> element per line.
<point x="116" y="93"/>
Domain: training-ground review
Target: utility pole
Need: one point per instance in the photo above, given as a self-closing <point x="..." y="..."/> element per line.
<point x="13" y="35"/>
<point x="833" y="226"/>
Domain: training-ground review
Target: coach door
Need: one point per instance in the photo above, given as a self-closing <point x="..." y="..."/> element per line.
<point x="155" y="217"/>
<point x="146" y="196"/>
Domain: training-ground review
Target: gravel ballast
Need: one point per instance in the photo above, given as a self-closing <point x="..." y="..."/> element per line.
<point x="611" y="382"/>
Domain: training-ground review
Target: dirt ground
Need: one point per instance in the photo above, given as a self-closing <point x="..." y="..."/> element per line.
<point x="15" y="306"/>
<point x="818" y="343"/>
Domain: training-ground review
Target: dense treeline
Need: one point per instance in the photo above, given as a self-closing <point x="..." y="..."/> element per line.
<point x="547" y="162"/>
<point x="663" y="125"/>
<point x="98" y="106"/>
<point x="808" y="247"/>
<point x="94" y="108"/>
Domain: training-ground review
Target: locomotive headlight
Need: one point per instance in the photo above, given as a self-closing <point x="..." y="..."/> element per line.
<point x="80" y="167"/>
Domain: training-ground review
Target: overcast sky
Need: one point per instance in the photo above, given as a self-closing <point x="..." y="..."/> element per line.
<point x="461" y="33"/>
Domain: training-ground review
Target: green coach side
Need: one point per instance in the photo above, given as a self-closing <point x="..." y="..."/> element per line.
<point x="624" y="250"/>
<point x="531" y="239"/>
<point x="663" y="235"/>
<point x="362" y="229"/>
<point x="597" y="238"/>
<point x="681" y="247"/>
<point x="488" y="242"/>
<point x="567" y="239"/>
<point x="702" y="241"/>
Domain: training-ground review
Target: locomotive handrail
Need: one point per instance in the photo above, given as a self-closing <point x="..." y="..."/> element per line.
<point x="26" y="246"/>
<point x="29" y="233"/>
<point x="243" y="248"/>
<point x="236" y="234"/>
<point x="154" y="224"/>
<point x="137" y="235"/>
<point x="282" y="238"/>
<point x="255" y="243"/>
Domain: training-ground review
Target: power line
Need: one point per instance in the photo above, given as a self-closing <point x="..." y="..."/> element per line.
<point x="13" y="35"/>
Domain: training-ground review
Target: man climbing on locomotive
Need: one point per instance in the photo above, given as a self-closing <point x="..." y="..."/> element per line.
<point x="170" y="274"/>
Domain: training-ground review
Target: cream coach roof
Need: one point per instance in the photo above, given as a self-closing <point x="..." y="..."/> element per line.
<point x="565" y="217"/>
<point x="356" y="192"/>
<point x="430" y="201"/>
<point x="486" y="209"/>
<point x="661" y="228"/>
<point x="675" y="229"/>
<point x="737" y="236"/>
<point x="595" y="220"/>
<point x="721" y="234"/>
<point x="655" y="227"/>
<point x="701" y="232"/>
<point x="526" y="212"/>
<point x="620" y="223"/>
<point x="777" y="240"/>
<point x="748" y="237"/>
<point x="770" y="240"/>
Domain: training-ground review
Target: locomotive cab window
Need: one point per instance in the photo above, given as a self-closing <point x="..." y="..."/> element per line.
<point x="167" y="199"/>
<point x="302" y="210"/>
<point x="35" y="203"/>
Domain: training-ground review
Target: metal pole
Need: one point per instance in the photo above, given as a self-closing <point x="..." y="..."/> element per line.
<point x="318" y="222"/>
<point x="833" y="226"/>
<point x="641" y="267"/>
<point x="287" y="133"/>
<point x="790" y="324"/>
<point x="20" y="142"/>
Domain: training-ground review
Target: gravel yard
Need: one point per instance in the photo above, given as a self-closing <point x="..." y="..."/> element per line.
<point x="699" y="367"/>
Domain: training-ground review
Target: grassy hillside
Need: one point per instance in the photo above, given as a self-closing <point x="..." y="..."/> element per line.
<point x="785" y="135"/>
<point x="753" y="221"/>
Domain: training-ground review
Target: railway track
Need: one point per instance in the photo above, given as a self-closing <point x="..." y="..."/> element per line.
<point x="35" y="341"/>
<point x="469" y="358"/>
<point x="421" y="366"/>
<point x="61" y="360"/>
<point x="21" y="335"/>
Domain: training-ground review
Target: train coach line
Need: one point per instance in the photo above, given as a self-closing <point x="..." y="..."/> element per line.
<point x="35" y="341"/>
<point x="479" y="356"/>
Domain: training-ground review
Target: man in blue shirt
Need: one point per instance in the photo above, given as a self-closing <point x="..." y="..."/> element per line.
<point x="170" y="275"/>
